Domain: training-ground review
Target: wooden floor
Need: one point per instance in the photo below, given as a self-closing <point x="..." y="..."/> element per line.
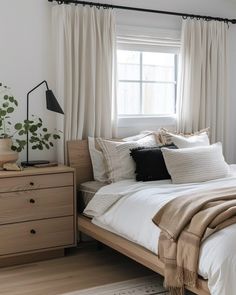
<point x="84" y="268"/>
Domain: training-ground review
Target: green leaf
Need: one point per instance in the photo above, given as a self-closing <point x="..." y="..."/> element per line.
<point x="10" y="110"/>
<point x="21" y="132"/>
<point x="6" y="97"/>
<point x="51" y="144"/>
<point x="19" y="149"/>
<point x="45" y="130"/>
<point x="3" y="113"/>
<point x="18" y="126"/>
<point x="47" y="136"/>
<point x="33" y="128"/>
<point x="56" y="136"/>
<point x="14" y="148"/>
<point x="34" y="147"/>
<point x="16" y="103"/>
<point x="5" y="104"/>
<point x="11" y="98"/>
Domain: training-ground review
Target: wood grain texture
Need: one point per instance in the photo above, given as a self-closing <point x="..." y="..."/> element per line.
<point x="36" y="204"/>
<point x="79" y="158"/>
<point x="38" y="199"/>
<point x="30" y="258"/>
<point x="132" y="250"/>
<point x="33" y="182"/>
<point x="47" y="233"/>
<point x="36" y="171"/>
<point x="85" y="268"/>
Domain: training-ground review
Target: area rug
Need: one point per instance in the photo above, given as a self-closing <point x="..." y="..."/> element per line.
<point x="150" y="285"/>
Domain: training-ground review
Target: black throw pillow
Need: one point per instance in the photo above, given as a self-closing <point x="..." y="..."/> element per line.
<point x="150" y="164"/>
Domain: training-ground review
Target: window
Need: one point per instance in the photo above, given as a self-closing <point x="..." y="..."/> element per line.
<point x="147" y="83"/>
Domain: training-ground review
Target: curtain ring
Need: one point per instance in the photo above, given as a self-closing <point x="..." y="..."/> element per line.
<point x="184" y="17"/>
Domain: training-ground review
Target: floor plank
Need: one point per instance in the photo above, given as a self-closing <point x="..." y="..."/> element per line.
<point x="83" y="268"/>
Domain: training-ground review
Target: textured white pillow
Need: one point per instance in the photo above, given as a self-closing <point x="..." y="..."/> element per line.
<point x="119" y="163"/>
<point x="182" y="142"/>
<point x="196" y="164"/>
<point x="97" y="158"/>
<point x="166" y="137"/>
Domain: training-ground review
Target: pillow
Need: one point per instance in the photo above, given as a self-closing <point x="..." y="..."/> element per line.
<point x="97" y="157"/>
<point x="182" y="142"/>
<point x="200" y="138"/>
<point x="119" y="164"/>
<point x="98" y="163"/>
<point x="196" y="164"/>
<point x="150" y="164"/>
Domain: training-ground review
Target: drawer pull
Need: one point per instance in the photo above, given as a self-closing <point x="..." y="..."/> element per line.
<point x="32" y="201"/>
<point x="31" y="183"/>
<point x="33" y="231"/>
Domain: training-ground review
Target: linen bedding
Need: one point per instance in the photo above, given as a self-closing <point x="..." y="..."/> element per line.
<point x="127" y="208"/>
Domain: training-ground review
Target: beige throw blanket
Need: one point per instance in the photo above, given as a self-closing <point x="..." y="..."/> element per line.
<point x="185" y="222"/>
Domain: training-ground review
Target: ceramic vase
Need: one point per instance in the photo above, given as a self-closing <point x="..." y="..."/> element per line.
<point x="7" y="155"/>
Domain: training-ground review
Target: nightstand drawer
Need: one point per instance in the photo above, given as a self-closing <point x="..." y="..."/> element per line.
<point x="36" y="235"/>
<point x="36" y="182"/>
<point x="36" y="204"/>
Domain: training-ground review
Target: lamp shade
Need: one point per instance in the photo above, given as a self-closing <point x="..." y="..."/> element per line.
<point x="52" y="103"/>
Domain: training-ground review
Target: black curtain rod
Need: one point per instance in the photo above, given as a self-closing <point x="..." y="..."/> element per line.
<point x="184" y="15"/>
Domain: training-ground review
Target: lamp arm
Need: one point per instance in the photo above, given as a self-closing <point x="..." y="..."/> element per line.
<point x="27" y="116"/>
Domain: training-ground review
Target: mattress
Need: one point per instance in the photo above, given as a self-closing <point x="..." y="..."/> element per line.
<point x="86" y="192"/>
<point x="126" y="208"/>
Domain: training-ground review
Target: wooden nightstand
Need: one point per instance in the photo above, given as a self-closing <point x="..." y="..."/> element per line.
<point x="37" y="214"/>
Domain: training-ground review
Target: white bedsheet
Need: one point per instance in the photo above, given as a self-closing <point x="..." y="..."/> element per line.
<point x="127" y="208"/>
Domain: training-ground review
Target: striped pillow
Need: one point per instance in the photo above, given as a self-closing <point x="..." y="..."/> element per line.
<point x="196" y="164"/>
<point x="119" y="163"/>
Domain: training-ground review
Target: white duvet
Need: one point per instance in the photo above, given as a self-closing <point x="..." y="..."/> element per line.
<point x="127" y="208"/>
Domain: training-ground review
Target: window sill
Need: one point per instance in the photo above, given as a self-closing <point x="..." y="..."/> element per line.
<point x="146" y="121"/>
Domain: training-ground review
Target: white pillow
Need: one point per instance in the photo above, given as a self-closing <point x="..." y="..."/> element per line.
<point x="182" y="142"/>
<point x="119" y="163"/>
<point x="97" y="158"/>
<point x="168" y="137"/>
<point x="196" y="164"/>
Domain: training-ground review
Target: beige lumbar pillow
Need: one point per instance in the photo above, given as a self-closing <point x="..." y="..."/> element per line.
<point x="196" y="164"/>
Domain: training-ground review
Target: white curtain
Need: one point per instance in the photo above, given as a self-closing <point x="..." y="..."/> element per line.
<point x="202" y="93"/>
<point x="84" y="41"/>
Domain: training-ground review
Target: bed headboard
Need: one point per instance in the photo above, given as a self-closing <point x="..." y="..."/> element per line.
<point x="79" y="158"/>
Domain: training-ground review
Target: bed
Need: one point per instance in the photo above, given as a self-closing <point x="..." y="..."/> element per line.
<point x="79" y="158"/>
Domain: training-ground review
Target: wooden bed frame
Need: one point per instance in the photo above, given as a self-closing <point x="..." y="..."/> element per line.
<point x="79" y="158"/>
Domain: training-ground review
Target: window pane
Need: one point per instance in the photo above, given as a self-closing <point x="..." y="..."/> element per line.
<point x="129" y="98"/>
<point x="158" y="66"/>
<point x="158" y="98"/>
<point x="128" y="65"/>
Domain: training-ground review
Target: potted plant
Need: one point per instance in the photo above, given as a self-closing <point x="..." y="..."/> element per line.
<point x="13" y="136"/>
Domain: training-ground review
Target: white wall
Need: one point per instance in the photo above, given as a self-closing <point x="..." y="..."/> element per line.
<point x="25" y="47"/>
<point x="25" y="56"/>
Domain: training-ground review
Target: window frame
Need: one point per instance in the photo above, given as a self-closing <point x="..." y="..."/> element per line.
<point x="127" y="125"/>
<point x="141" y="82"/>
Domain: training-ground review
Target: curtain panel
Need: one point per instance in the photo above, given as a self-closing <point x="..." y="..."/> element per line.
<point x="203" y="83"/>
<point x="84" y="44"/>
